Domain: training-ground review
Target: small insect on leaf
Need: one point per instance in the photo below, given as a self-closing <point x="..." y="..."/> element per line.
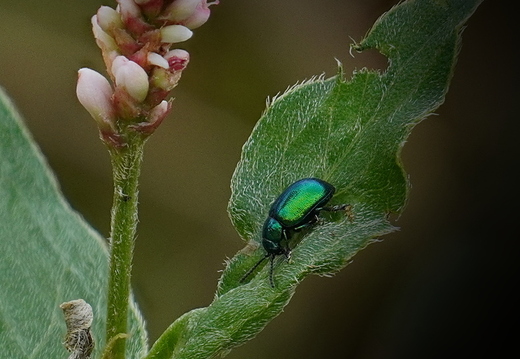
<point x="296" y="208"/>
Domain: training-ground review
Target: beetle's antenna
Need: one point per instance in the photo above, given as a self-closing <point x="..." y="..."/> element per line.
<point x="271" y="280"/>
<point x="254" y="267"/>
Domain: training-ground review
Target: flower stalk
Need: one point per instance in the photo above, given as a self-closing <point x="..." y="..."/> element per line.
<point x="126" y="168"/>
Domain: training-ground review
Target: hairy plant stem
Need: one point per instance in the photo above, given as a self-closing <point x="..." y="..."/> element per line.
<point x="126" y="166"/>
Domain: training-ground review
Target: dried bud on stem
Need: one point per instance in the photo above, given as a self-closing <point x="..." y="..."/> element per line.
<point x="78" y="318"/>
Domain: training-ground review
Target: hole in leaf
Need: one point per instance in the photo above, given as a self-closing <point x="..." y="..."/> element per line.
<point x="371" y="59"/>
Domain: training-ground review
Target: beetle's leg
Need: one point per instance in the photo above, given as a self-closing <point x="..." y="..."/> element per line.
<point x="286" y="249"/>
<point x="341" y="207"/>
<point x="287" y="253"/>
<point x="337" y="208"/>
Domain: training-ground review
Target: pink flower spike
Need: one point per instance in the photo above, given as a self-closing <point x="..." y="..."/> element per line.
<point x="130" y="76"/>
<point x="94" y="93"/>
<point x="175" y="33"/>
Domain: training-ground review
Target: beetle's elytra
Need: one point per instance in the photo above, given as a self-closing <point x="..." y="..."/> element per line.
<point x="295" y="208"/>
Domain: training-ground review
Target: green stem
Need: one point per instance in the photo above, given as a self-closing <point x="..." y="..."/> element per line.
<point x="126" y="165"/>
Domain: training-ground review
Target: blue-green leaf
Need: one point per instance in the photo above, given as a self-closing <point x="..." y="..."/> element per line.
<point x="48" y="255"/>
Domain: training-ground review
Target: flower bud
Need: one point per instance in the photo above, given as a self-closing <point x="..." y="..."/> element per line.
<point x="125" y="42"/>
<point x="94" y="93"/>
<point x="105" y="42"/>
<point x="157" y="60"/>
<point x="130" y="76"/>
<point x="179" y="10"/>
<point x="128" y="9"/>
<point x="126" y="107"/>
<point x="163" y="79"/>
<point x="199" y="18"/>
<point x="159" y="112"/>
<point x="190" y="13"/>
<point x="155" y="118"/>
<point x="132" y="17"/>
<point x="150" y="8"/>
<point x="175" y="33"/>
<point x="108" y="18"/>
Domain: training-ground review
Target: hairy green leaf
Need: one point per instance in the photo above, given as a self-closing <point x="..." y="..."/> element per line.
<point x="48" y="255"/>
<point x="349" y="133"/>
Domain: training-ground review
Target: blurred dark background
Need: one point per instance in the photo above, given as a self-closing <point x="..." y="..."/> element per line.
<point x="440" y="287"/>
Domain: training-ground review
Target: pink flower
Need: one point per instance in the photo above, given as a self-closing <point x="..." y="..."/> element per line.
<point x="108" y="18"/>
<point x="190" y="13"/>
<point x="158" y="114"/>
<point x="94" y="93"/>
<point x="175" y="33"/>
<point x="106" y="43"/>
<point x="177" y="59"/>
<point x="151" y="8"/>
<point x="131" y="77"/>
<point x="155" y="59"/>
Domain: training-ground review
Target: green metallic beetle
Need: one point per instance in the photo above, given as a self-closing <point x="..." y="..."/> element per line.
<point x="296" y="208"/>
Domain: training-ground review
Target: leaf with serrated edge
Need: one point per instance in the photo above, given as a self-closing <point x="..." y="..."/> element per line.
<point x="349" y="133"/>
